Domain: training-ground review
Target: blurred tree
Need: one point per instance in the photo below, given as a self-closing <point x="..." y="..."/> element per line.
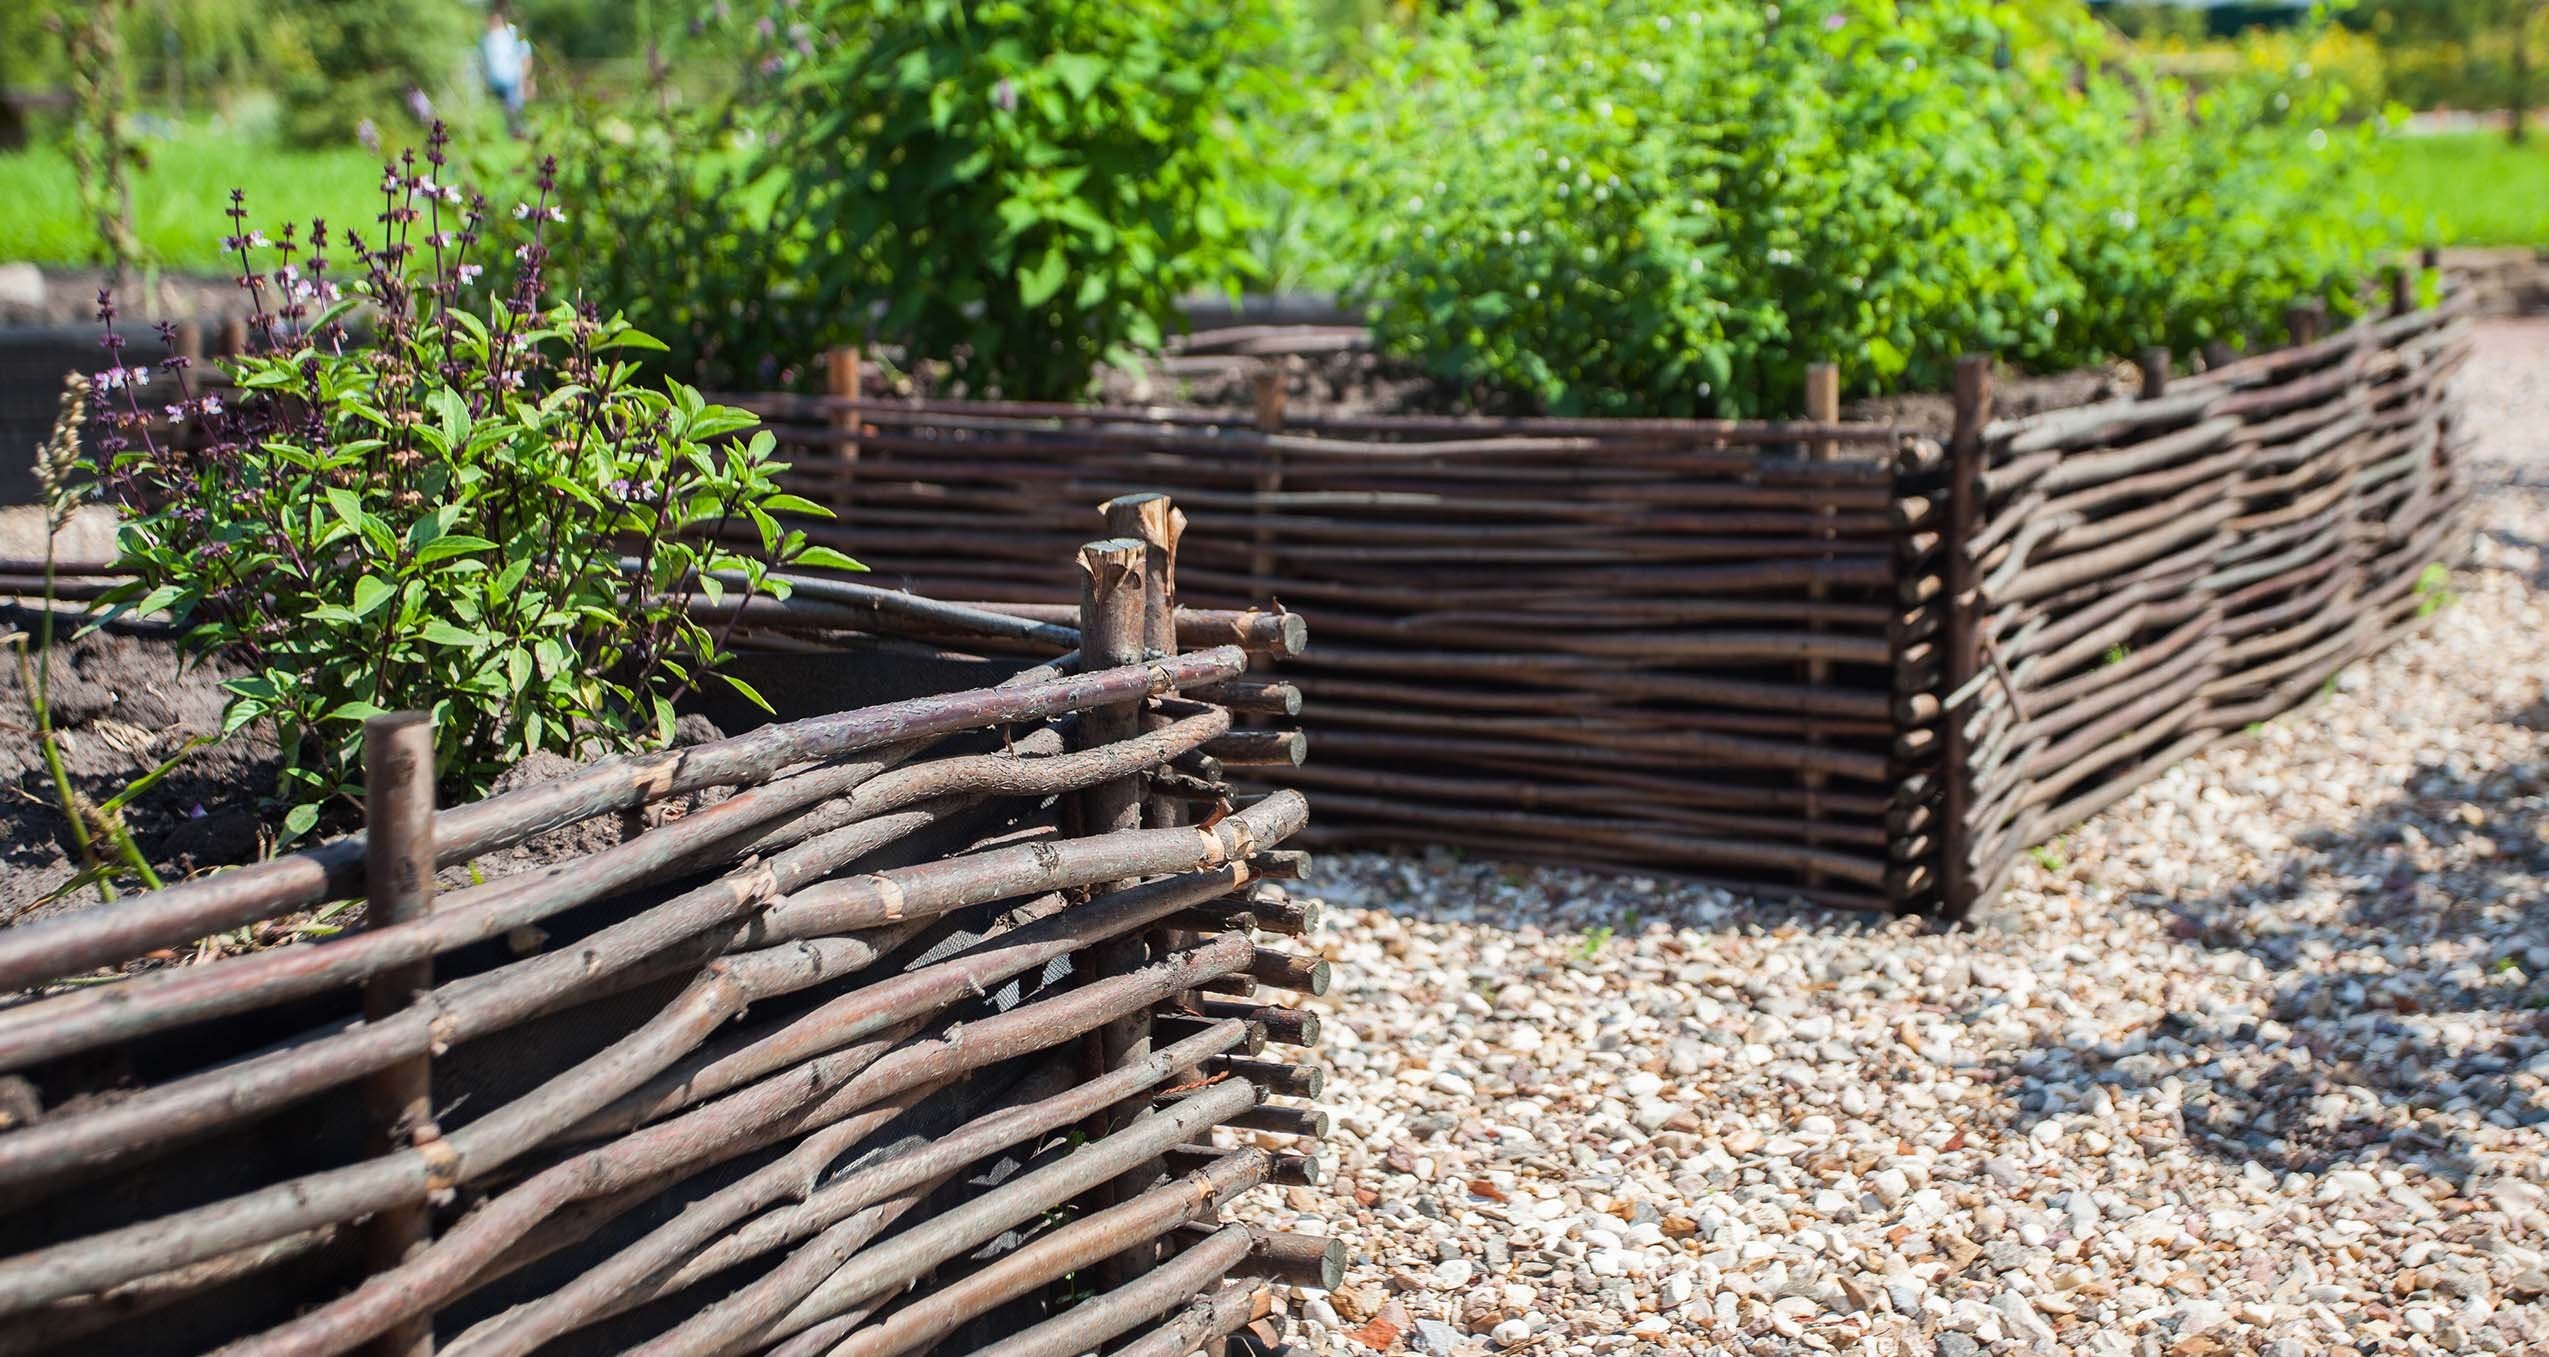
<point x="336" y="63"/>
<point x="2472" y="24"/>
<point x="102" y="150"/>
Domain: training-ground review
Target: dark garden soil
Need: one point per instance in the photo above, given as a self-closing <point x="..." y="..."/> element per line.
<point x="123" y="703"/>
<point x="1933" y="413"/>
<point x="1352" y="384"/>
<point x="1338" y="384"/>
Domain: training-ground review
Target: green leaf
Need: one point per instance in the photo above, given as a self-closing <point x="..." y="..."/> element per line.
<point x="825" y="558"/>
<point x="1079" y="71"/>
<point x="348" y="507"/>
<point x="1037" y="285"/>
<point x="370" y="592"/>
<point x="458" y="544"/>
<point x="443" y="633"/>
<point x="631" y="339"/>
<point x="356" y="711"/>
<point x="300" y="820"/>
<point x="160" y="598"/>
<point x="795" y="504"/>
<point x="750" y="693"/>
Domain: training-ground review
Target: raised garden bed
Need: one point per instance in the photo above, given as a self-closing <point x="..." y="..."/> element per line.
<point x="933" y="1023"/>
<point x="1714" y="648"/>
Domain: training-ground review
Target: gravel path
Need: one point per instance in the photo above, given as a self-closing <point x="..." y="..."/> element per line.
<point x="2253" y="1063"/>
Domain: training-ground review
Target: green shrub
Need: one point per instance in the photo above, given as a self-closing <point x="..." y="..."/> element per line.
<point x="337" y="63"/>
<point x="670" y="221"/>
<point x="436" y="519"/>
<point x="1022" y="190"/>
<point x="1681" y="223"/>
<point x="2228" y="206"/>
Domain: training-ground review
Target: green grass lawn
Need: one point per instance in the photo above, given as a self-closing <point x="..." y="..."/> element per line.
<point x="179" y="201"/>
<point x="2455" y="189"/>
<point x="2469" y="188"/>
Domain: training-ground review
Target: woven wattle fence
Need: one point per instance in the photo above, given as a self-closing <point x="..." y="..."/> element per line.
<point x="946" y="1024"/>
<point x="2144" y="577"/>
<point x="1667" y="642"/>
<point x="1728" y="650"/>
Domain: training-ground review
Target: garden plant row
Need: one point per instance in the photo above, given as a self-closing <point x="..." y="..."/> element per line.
<point x="948" y="1023"/>
<point x="1726" y="648"/>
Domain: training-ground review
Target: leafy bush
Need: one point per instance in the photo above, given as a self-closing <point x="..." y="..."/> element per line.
<point x="436" y="519"/>
<point x="671" y="220"/>
<point x="1019" y="189"/>
<point x="1680" y="224"/>
<point x="2227" y="208"/>
<point x="338" y="63"/>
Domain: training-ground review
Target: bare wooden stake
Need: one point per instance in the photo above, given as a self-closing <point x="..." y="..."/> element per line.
<point x="1823" y="406"/>
<point x="844" y="371"/>
<point x="2155" y="365"/>
<point x="1114" y="624"/>
<point x="1154" y="521"/>
<point x="2301" y="321"/>
<point x="1965" y="453"/>
<point x="1271" y="396"/>
<point x="398" y="871"/>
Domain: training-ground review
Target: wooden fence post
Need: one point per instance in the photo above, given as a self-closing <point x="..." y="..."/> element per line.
<point x="1823" y="406"/>
<point x="2154" y="364"/>
<point x="2402" y="290"/>
<point x="1114" y="623"/>
<point x="843" y="377"/>
<point x="1270" y="395"/>
<point x="1964" y="637"/>
<point x="1154" y="521"/>
<point x="398" y="886"/>
<point x="2301" y="321"/>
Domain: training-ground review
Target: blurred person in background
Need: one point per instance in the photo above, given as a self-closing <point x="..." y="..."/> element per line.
<point x="505" y="59"/>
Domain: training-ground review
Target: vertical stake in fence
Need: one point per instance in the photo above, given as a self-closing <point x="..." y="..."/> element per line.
<point x="1114" y="623"/>
<point x="1823" y="406"/>
<point x="398" y="886"/>
<point x="2155" y="364"/>
<point x="1269" y="482"/>
<point x="2402" y="291"/>
<point x="843" y="376"/>
<point x="190" y="342"/>
<point x="1964" y="637"/>
<point x="234" y="336"/>
<point x="1154" y="521"/>
<point x="2301" y="321"/>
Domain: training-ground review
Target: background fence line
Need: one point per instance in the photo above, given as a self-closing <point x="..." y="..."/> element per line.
<point x="1722" y="648"/>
